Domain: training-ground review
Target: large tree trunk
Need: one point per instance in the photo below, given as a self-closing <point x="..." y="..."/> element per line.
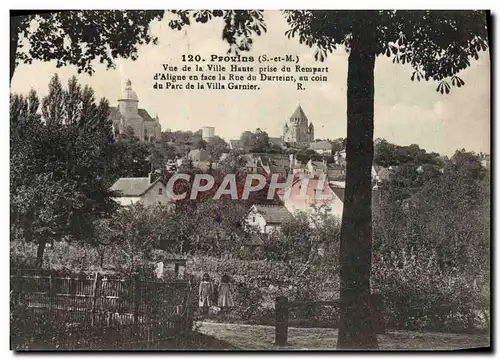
<point x="356" y="330"/>
<point x="39" y="253"/>
<point x="15" y="21"/>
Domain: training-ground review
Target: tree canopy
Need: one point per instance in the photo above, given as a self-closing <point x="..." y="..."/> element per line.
<point x="53" y="195"/>
<point x="80" y="37"/>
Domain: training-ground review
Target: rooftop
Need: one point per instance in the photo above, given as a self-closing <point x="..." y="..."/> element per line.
<point x="135" y="186"/>
<point x="273" y="214"/>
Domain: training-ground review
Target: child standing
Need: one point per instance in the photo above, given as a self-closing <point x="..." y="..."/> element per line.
<point x="205" y="292"/>
<point x="225" y="298"/>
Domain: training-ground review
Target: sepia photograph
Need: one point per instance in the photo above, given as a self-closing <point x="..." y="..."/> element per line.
<point x="250" y="180"/>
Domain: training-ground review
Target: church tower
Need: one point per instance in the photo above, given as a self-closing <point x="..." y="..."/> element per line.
<point x="299" y="131"/>
<point x="128" y="102"/>
<point x="128" y="114"/>
<point x="311" y="132"/>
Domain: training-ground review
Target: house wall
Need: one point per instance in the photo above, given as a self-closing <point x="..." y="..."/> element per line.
<point x="256" y="220"/>
<point x="271" y="228"/>
<point x="296" y="202"/>
<point x="153" y="195"/>
<point x="127" y="200"/>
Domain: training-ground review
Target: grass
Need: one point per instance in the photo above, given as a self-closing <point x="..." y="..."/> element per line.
<point x="261" y="337"/>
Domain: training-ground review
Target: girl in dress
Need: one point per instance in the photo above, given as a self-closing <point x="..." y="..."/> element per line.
<point x="205" y="292"/>
<point x="225" y="299"/>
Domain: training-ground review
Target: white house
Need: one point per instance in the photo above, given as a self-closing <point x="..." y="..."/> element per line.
<point x="267" y="218"/>
<point x="144" y="190"/>
<point x="308" y="195"/>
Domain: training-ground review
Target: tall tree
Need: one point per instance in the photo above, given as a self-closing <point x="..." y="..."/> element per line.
<point x="133" y="156"/>
<point x="216" y="147"/>
<point x="257" y="141"/>
<point x="161" y="152"/>
<point x="90" y="34"/>
<point x="62" y="166"/>
<point x="437" y="44"/>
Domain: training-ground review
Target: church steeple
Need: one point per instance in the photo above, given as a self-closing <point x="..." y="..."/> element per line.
<point x="299" y="130"/>
<point x="299" y="116"/>
<point x="128" y="102"/>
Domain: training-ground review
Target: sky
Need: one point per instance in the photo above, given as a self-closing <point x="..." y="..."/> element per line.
<point x="406" y="112"/>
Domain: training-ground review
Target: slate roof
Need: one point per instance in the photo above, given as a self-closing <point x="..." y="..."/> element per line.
<point x="114" y="113"/>
<point x="273" y="214"/>
<point x="132" y="186"/>
<point x="298" y="114"/>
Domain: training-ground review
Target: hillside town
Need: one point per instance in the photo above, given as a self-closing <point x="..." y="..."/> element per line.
<point x="143" y="219"/>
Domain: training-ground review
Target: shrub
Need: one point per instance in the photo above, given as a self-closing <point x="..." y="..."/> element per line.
<point x="420" y="296"/>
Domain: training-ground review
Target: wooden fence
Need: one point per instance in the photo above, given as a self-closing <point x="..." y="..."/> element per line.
<point x="104" y="303"/>
<point x="283" y="306"/>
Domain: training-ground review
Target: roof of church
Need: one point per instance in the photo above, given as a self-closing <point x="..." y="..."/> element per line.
<point x="299" y="113"/>
<point x="114" y="113"/>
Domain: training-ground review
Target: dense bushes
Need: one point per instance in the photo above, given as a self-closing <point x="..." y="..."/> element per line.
<point x="420" y="296"/>
<point x="431" y="252"/>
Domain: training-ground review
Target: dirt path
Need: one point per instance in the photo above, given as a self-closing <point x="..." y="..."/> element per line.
<point x="261" y="337"/>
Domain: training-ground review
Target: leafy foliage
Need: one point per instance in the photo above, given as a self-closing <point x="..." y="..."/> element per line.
<point x="432" y="252"/>
<point x="387" y="154"/>
<point x="216" y="146"/>
<point x="80" y="37"/>
<point x="436" y="44"/>
<point x="62" y="163"/>
<point x="257" y="141"/>
<point x="134" y="158"/>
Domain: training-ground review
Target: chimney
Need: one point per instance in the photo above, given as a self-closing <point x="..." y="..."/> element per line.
<point x="151" y="177"/>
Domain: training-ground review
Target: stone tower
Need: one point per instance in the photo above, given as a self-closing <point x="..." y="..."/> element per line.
<point x="128" y="114"/>
<point x="298" y="131"/>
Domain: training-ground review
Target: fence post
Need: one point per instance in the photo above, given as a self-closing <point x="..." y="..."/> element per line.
<point x="155" y="312"/>
<point x="136" y="297"/>
<point x="188" y="315"/>
<point x="378" y="313"/>
<point x="51" y="294"/>
<point x="94" y="296"/>
<point x="281" y="327"/>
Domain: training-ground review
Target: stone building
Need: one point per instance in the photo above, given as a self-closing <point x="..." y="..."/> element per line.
<point x="299" y="131"/>
<point x="128" y="114"/>
<point x="145" y="190"/>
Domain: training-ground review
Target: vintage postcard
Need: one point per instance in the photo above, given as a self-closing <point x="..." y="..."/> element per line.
<point x="250" y="180"/>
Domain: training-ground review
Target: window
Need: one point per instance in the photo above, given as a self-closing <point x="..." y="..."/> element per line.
<point x="160" y="191"/>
